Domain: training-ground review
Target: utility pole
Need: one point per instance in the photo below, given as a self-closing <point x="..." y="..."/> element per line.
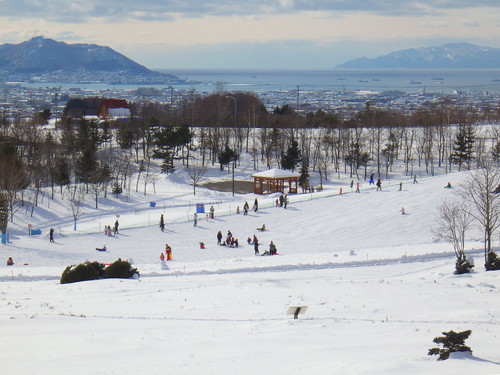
<point x="297" y="109"/>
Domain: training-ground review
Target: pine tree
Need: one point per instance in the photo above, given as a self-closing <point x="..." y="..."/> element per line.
<point x="452" y="342"/>
<point x="291" y="159"/>
<point x="463" y="148"/>
<point x="304" y="175"/>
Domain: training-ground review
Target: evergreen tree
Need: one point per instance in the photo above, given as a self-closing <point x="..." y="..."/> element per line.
<point x="291" y="159"/>
<point x="227" y="156"/>
<point x="304" y="175"/>
<point x="86" y="165"/>
<point x="61" y="173"/>
<point x="463" y="148"/>
<point x="452" y="342"/>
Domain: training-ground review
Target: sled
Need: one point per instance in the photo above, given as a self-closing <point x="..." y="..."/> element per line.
<point x="99" y="249"/>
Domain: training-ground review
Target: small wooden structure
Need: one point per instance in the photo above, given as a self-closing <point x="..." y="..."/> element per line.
<point x="274" y="181"/>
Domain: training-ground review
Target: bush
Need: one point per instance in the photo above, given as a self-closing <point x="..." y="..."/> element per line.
<point x="82" y="272"/>
<point x="117" y="189"/>
<point x="94" y="270"/>
<point x="120" y="269"/>
<point x="452" y="342"/>
<point x="492" y="263"/>
<point x="462" y="265"/>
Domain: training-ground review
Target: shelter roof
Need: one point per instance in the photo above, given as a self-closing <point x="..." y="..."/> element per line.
<point x="276" y="173"/>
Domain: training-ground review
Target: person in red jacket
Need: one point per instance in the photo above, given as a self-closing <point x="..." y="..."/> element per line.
<point x="168" y="251"/>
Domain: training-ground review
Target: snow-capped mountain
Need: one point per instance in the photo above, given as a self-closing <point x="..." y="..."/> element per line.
<point x="453" y="55"/>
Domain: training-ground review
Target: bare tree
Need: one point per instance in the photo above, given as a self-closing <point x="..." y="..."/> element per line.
<point x="76" y="205"/>
<point x="453" y="222"/>
<point x="478" y="190"/>
<point x="196" y="171"/>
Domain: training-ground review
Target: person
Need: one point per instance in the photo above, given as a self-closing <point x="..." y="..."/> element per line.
<point x="272" y="249"/>
<point x="116" y="227"/>
<point x="285" y="201"/>
<point x="255" y="205"/>
<point x="401" y="186"/>
<point x="51" y="234"/>
<point x="168" y="251"/>
<point x="245" y="208"/>
<point x="219" y="237"/>
<point x="162" y="257"/>
<point x="195" y="219"/>
<point x="372" y="181"/>
<point x="202" y="245"/>
<point x="104" y="248"/>
<point x="415" y="179"/>
<point x="379" y="185"/>
<point x="352" y="184"/>
<point x="249" y="240"/>
<point x="448" y="186"/>
<point x="212" y="212"/>
<point x="281" y="200"/>
<point x="340" y="191"/>
<point x="402" y="210"/>
<point x="162" y="223"/>
<point x="262" y="228"/>
<point x="256" y="245"/>
<point x="10" y="262"/>
<point x="357" y="188"/>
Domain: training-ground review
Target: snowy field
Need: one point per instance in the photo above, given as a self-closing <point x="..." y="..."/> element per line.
<point x="378" y="286"/>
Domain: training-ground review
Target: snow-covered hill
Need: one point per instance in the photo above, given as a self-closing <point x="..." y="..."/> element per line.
<point x="379" y="287"/>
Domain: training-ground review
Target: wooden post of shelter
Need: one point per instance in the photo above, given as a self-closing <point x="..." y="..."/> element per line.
<point x="275" y="181"/>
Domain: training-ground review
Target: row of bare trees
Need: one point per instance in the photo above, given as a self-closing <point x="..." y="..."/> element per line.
<point x="101" y="157"/>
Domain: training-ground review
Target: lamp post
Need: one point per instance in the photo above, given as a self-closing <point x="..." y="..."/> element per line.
<point x="235" y="114"/>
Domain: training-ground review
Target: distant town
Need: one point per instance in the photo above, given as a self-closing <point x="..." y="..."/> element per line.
<point x="21" y="101"/>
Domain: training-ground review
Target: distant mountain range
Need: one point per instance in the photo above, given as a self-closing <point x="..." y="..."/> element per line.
<point x="451" y="56"/>
<point x="44" y="59"/>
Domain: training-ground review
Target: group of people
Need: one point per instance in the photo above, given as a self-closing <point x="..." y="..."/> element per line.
<point x="168" y="253"/>
<point x="230" y="240"/>
<point x="255" y="242"/>
<point x="282" y="201"/>
<point x="108" y="231"/>
<point x="246" y="207"/>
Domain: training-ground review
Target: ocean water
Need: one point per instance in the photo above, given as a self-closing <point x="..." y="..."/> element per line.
<point x="474" y="81"/>
<point x="411" y="80"/>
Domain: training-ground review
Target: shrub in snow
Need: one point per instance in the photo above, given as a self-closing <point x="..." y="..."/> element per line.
<point x="82" y="272"/>
<point x="120" y="269"/>
<point x="462" y="265"/>
<point x="452" y="342"/>
<point x="492" y="263"/>
<point x="117" y="189"/>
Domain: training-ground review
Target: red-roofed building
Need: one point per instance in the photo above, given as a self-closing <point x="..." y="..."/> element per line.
<point x="112" y="109"/>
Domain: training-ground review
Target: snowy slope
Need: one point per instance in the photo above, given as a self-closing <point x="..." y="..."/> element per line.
<point x="377" y="284"/>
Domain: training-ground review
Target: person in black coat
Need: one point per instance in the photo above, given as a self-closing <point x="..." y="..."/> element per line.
<point x="219" y="238"/>
<point x="256" y="245"/>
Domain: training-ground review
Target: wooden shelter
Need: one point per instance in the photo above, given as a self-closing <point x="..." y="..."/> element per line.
<point x="274" y="181"/>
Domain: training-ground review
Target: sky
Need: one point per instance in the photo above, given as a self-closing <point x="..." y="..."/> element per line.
<point x="260" y="34"/>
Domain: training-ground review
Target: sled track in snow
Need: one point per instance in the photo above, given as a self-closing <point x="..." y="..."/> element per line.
<point x="279" y="268"/>
<point x="316" y="266"/>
